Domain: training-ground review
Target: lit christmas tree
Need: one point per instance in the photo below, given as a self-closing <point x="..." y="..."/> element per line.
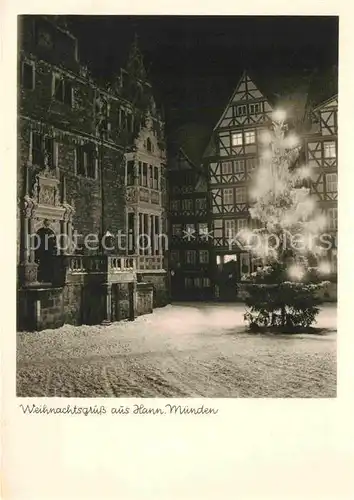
<point x="289" y="240"/>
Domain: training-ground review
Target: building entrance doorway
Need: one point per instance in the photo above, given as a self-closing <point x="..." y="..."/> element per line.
<point x="227" y="276"/>
<point x="46" y="250"/>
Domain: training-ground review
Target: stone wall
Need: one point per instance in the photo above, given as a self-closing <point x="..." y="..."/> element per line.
<point x="160" y="284"/>
<point x="122" y="301"/>
<point x="145" y="298"/>
<point x="40" y="309"/>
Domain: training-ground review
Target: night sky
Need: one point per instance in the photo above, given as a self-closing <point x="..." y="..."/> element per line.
<point x="194" y="63"/>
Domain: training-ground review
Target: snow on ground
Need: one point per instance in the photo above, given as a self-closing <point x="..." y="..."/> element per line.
<point x="182" y="350"/>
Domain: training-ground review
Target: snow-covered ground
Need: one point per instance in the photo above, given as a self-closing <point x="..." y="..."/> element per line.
<point x="182" y="350"/>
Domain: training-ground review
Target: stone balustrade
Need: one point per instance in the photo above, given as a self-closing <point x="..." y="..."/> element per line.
<point x="150" y="262"/>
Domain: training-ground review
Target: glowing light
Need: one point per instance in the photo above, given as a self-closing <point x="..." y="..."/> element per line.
<point x="291" y="141"/>
<point x="324" y="267"/>
<point x="267" y="155"/>
<point x="321" y="221"/>
<point x="296" y="272"/>
<point x="304" y="172"/>
<point x="279" y="116"/>
<point x="265" y="137"/>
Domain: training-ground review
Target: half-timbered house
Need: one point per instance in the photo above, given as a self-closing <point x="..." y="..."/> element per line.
<point x="321" y="150"/>
<point x="189" y="229"/>
<point x="231" y="158"/>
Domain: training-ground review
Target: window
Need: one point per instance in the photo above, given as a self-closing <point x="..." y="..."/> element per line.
<point x="251" y="164"/>
<point x="191" y="256"/>
<point x="239" y="166"/>
<point x="156" y="177"/>
<point x="254" y="108"/>
<point x="227" y="167"/>
<point x="241" y="224"/>
<point x="176" y="229"/>
<point x="198" y="282"/>
<point x="49" y="150"/>
<point x="187" y="204"/>
<point x="203" y="228"/>
<point x="129" y="119"/>
<point x="91" y="164"/>
<point x="63" y="90"/>
<point x="250" y="136"/>
<point x="190" y="228"/>
<point x="229" y="228"/>
<point x="206" y="282"/>
<point x="200" y="204"/>
<point x="228" y="196"/>
<point x="174" y="256"/>
<point x="43" y="147"/>
<point x="144" y="180"/>
<point x="37" y="149"/>
<point x="241" y="110"/>
<point x="230" y="258"/>
<point x="203" y="256"/>
<point x="330" y="149"/>
<point x="332" y="218"/>
<point x="331" y="183"/>
<point x="148" y="144"/>
<point x="188" y="282"/>
<point x="150" y="177"/>
<point x="122" y="119"/>
<point x="28" y="75"/>
<point x="240" y="195"/>
<point x="237" y="139"/>
<point x="175" y="205"/>
<point x="130" y="172"/>
<point x="85" y="162"/>
<point x="80" y="161"/>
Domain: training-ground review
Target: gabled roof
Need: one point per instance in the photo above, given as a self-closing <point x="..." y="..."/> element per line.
<point x="328" y="103"/>
<point x="285" y="91"/>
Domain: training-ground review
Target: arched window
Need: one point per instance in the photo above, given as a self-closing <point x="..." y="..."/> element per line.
<point x="148" y="144"/>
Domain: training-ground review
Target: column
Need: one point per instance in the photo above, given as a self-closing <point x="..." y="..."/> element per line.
<point x="63" y="237"/>
<point x="153" y="237"/>
<point x="26" y="241"/>
<point x="146" y="233"/>
<point x="157" y="234"/>
<point x="70" y="236"/>
<point x="136" y="230"/>
<point x="142" y="230"/>
<point x="27" y="266"/>
<point x="107" y="303"/>
<point x="31" y="249"/>
<point x="150" y="234"/>
<point x="160" y="239"/>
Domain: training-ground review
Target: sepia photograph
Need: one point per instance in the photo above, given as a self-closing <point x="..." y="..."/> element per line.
<point x="177" y="206"/>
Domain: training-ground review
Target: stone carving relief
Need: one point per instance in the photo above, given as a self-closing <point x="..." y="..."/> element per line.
<point x="28" y="206"/>
<point x="131" y="195"/>
<point x="47" y="195"/>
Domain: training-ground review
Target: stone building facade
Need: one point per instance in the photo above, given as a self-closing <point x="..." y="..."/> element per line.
<point x="76" y="141"/>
